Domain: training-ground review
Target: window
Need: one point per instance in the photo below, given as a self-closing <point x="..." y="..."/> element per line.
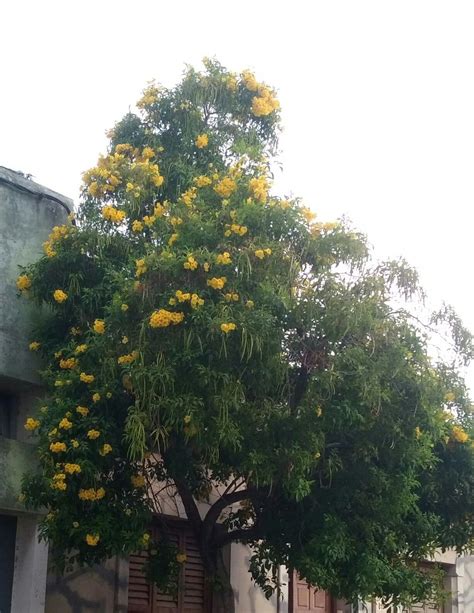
<point x="7" y="416"/>
<point x="193" y="596"/>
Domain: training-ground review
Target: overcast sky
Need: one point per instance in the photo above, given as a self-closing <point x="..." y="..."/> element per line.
<point x="377" y="104"/>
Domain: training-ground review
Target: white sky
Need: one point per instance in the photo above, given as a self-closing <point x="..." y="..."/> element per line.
<point x="377" y="99"/>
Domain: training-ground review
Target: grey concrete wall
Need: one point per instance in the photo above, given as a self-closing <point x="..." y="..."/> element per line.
<point x="28" y="212"/>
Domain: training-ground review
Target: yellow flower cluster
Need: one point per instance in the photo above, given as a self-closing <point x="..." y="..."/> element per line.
<point x="23" y="282"/>
<point x="235" y="229"/>
<point x="249" y="80"/>
<point x="459" y="434"/>
<point x="112" y="214"/>
<point x="141" y="267"/>
<point x="84" y="411"/>
<point x="250" y="304"/>
<point x="188" y="196"/>
<point x="194" y="299"/>
<point x="91" y="493"/>
<point x="59" y="295"/>
<point x="173" y="238"/>
<point x="99" y="326"/>
<point x="137" y="226"/>
<point x="265" y="103"/>
<point x="231" y="297"/>
<point x="149" y="96"/>
<point x="163" y="318"/>
<point x="259" y="188"/>
<point x="85" y="378"/>
<point x="202" y="181"/>
<point x="137" y="480"/>
<point x="59" y="482"/>
<point x="74" y="443"/>
<point x="31" y="424"/>
<point x="226" y="187"/>
<point x="93" y="434"/>
<point x="261" y="253"/>
<point x="128" y="358"/>
<point x="34" y="346"/>
<point x="68" y="364"/>
<point x="80" y="349"/>
<point x="65" y="424"/>
<point x="57" y="234"/>
<point x="202" y="141"/>
<point x="92" y="539"/>
<point x="96" y="397"/>
<point x="71" y="469"/>
<point x="106" y="448"/>
<point x="224" y="258"/>
<point x="57" y="447"/>
<point x="217" y="282"/>
<point x="191" y="263"/>
<point x="228" y="327"/>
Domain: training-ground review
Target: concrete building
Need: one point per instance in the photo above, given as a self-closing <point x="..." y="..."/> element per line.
<point x="28" y="212"/>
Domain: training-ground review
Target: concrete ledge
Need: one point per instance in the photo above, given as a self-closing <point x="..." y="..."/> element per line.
<point x="17" y="181"/>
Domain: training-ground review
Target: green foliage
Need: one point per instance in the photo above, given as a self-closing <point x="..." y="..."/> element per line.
<point x="233" y="342"/>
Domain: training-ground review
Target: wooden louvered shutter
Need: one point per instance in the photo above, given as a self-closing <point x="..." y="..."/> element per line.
<point x="193" y="596"/>
<point x="305" y="599"/>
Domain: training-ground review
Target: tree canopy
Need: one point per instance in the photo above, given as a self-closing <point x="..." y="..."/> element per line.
<point x="201" y="334"/>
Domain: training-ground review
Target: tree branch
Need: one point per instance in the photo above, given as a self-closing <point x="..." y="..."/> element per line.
<point x="243" y="535"/>
<point x="213" y="514"/>
<point x="189" y="504"/>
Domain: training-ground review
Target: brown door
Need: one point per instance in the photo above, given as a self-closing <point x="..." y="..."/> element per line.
<point x="305" y="599"/>
<point x="193" y="596"/>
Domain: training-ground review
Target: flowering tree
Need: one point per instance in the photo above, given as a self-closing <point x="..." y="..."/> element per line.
<point x="203" y="334"/>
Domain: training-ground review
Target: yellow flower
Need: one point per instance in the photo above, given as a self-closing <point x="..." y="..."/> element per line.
<point x="112" y="214"/>
<point x="137" y="226"/>
<point x="188" y="196"/>
<point x="80" y="349"/>
<point x="459" y="434"/>
<point x="34" y="346"/>
<point x="75" y="443"/>
<point x="93" y="434"/>
<point x="31" y="424"/>
<point x="57" y="447"/>
<point x="202" y="141"/>
<point x="226" y="328"/>
<point x="23" y="282"/>
<point x="99" y="326"/>
<point x="75" y="524"/>
<point x="108" y="395"/>
<point x="202" y="181"/>
<point x="148" y="153"/>
<point x="259" y="188"/>
<point x="59" y="295"/>
<point x="206" y="266"/>
<point x="187" y="419"/>
<point x="181" y="558"/>
<point x="84" y="411"/>
<point x="124" y="340"/>
<point x="68" y="364"/>
<point x="319" y="411"/>
<point x="249" y="80"/>
<point x="59" y="482"/>
<point x="91" y="494"/>
<point x="149" y="220"/>
<point x="145" y="538"/>
<point x="191" y="263"/>
<point x="141" y="267"/>
<point x="128" y="358"/>
<point x="137" y="480"/>
<point x="163" y="318"/>
<point x="225" y="187"/>
<point x="196" y="301"/>
<point x="92" y="539"/>
<point x="95" y="397"/>
<point x="224" y="258"/>
<point x="65" y="424"/>
<point x="250" y="304"/>
<point x="72" y="468"/>
<point x="124" y="307"/>
<point x="217" y="282"/>
<point x="75" y="331"/>
<point x="260" y="253"/>
<point x="106" y="448"/>
<point x="264" y="104"/>
<point x="173" y="238"/>
<point x="86" y="378"/>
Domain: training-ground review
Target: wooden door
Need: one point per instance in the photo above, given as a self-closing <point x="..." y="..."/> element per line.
<point x="305" y="599"/>
<point x="193" y="595"/>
